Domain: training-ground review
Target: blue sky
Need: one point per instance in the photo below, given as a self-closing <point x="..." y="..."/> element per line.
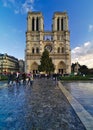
<point x="13" y="25"/>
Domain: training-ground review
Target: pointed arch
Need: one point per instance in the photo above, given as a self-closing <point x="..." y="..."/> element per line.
<point x="34" y="67"/>
<point x="61" y="67"/>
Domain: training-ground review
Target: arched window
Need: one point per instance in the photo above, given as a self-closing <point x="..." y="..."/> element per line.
<point x="62" y="50"/>
<point x="58" y="24"/>
<point x="33" y="24"/>
<point x="37" y="24"/>
<point x="58" y="50"/>
<point x="62" y="24"/>
<point x="37" y="50"/>
<point x="33" y="50"/>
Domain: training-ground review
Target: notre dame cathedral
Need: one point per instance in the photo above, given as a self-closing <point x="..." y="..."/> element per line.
<point x="56" y="41"/>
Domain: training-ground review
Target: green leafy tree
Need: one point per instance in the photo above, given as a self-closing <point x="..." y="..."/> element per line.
<point x="83" y="69"/>
<point x="46" y="63"/>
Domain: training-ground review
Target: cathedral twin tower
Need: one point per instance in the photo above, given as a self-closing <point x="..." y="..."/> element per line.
<point x="57" y="42"/>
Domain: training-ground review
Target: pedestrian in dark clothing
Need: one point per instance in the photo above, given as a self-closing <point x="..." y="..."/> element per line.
<point x="17" y="77"/>
<point x="24" y="78"/>
<point x="30" y="78"/>
<point x="10" y="78"/>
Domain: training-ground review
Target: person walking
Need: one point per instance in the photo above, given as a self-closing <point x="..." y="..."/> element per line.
<point x="17" y="77"/>
<point x="30" y="78"/>
<point x="24" y="78"/>
<point x="10" y="78"/>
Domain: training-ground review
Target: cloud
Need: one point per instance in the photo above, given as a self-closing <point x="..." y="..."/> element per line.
<point x="83" y="54"/>
<point x="19" y="6"/>
<point x="5" y="4"/>
<point x="16" y="11"/>
<point x="27" y="6"/>
<point x="90" y="28"/>
<point x="8" y="3"/>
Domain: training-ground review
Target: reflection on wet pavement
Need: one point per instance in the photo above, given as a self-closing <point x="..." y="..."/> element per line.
<point x="38" y="107"/>
<point x="83" y="92"/>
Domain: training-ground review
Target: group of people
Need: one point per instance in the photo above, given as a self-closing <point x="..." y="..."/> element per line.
<point x="20" y="78"/>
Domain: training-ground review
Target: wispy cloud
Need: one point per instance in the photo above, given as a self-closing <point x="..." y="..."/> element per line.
<point x="5" y="4"/>
<point x="90" y="28"/>
<point x="27" y="6"/>
<point x="8" y="3"/>
<point x="19" y="6"/>
<point x="83" y="54"/>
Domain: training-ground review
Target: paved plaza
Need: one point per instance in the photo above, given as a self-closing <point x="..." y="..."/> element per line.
<point x="41" y="106"/>
<point x="50" y="108"/>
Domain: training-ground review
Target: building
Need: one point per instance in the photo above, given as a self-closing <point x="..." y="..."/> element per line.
<point x="8" y="63"/>
<point x="57" y="42"/>
<point x="21" y="66"/>
<point x="75" y="68"/>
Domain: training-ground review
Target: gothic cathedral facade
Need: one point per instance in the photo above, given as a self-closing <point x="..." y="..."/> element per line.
<point x="57" y="42"/>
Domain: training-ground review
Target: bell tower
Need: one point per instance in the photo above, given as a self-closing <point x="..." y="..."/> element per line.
<point x="34" y="38"/>
<point x="62" y="41"/>
<point x="35" y="21"/>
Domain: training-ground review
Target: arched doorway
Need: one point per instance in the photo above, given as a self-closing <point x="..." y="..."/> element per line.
<point x="61" y="67"/>
<point x="34" y="68"/>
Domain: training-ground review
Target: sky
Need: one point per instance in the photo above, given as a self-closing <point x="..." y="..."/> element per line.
<point x="13" y="26"/>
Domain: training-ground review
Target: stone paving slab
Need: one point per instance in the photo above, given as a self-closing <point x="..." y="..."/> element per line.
<point x="84" y="116"/>
<point x="41" y="106"/>
<point x="50" y="109"/>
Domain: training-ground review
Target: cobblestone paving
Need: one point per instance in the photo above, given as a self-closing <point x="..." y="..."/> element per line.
<point x="50" y="109"/>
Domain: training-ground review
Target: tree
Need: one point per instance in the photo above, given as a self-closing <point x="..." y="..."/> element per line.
<point x="46" y="63"/>
<point x="83" y="69"/>
<point x="72" y="67"/>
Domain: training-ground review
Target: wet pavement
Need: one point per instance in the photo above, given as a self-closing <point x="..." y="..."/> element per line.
<point x="83" y="115"/>
<point x="83" y="92"/>
<point x="41" y="106"/>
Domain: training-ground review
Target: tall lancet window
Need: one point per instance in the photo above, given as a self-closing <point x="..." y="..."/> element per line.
<point x="37" y="24"/>
<point x="37" y="50"/>
<point x="58" y="50"/>
<point x="58" y="24"/>
<point x="33" y="50"/>
<point x="62" y="24"/>
<point x="33" y="25"/>
<point x="62" y="49"/>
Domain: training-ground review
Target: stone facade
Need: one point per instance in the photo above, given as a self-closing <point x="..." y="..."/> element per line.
<point x="57" y="42"/>
<point x="8" y="63"/>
